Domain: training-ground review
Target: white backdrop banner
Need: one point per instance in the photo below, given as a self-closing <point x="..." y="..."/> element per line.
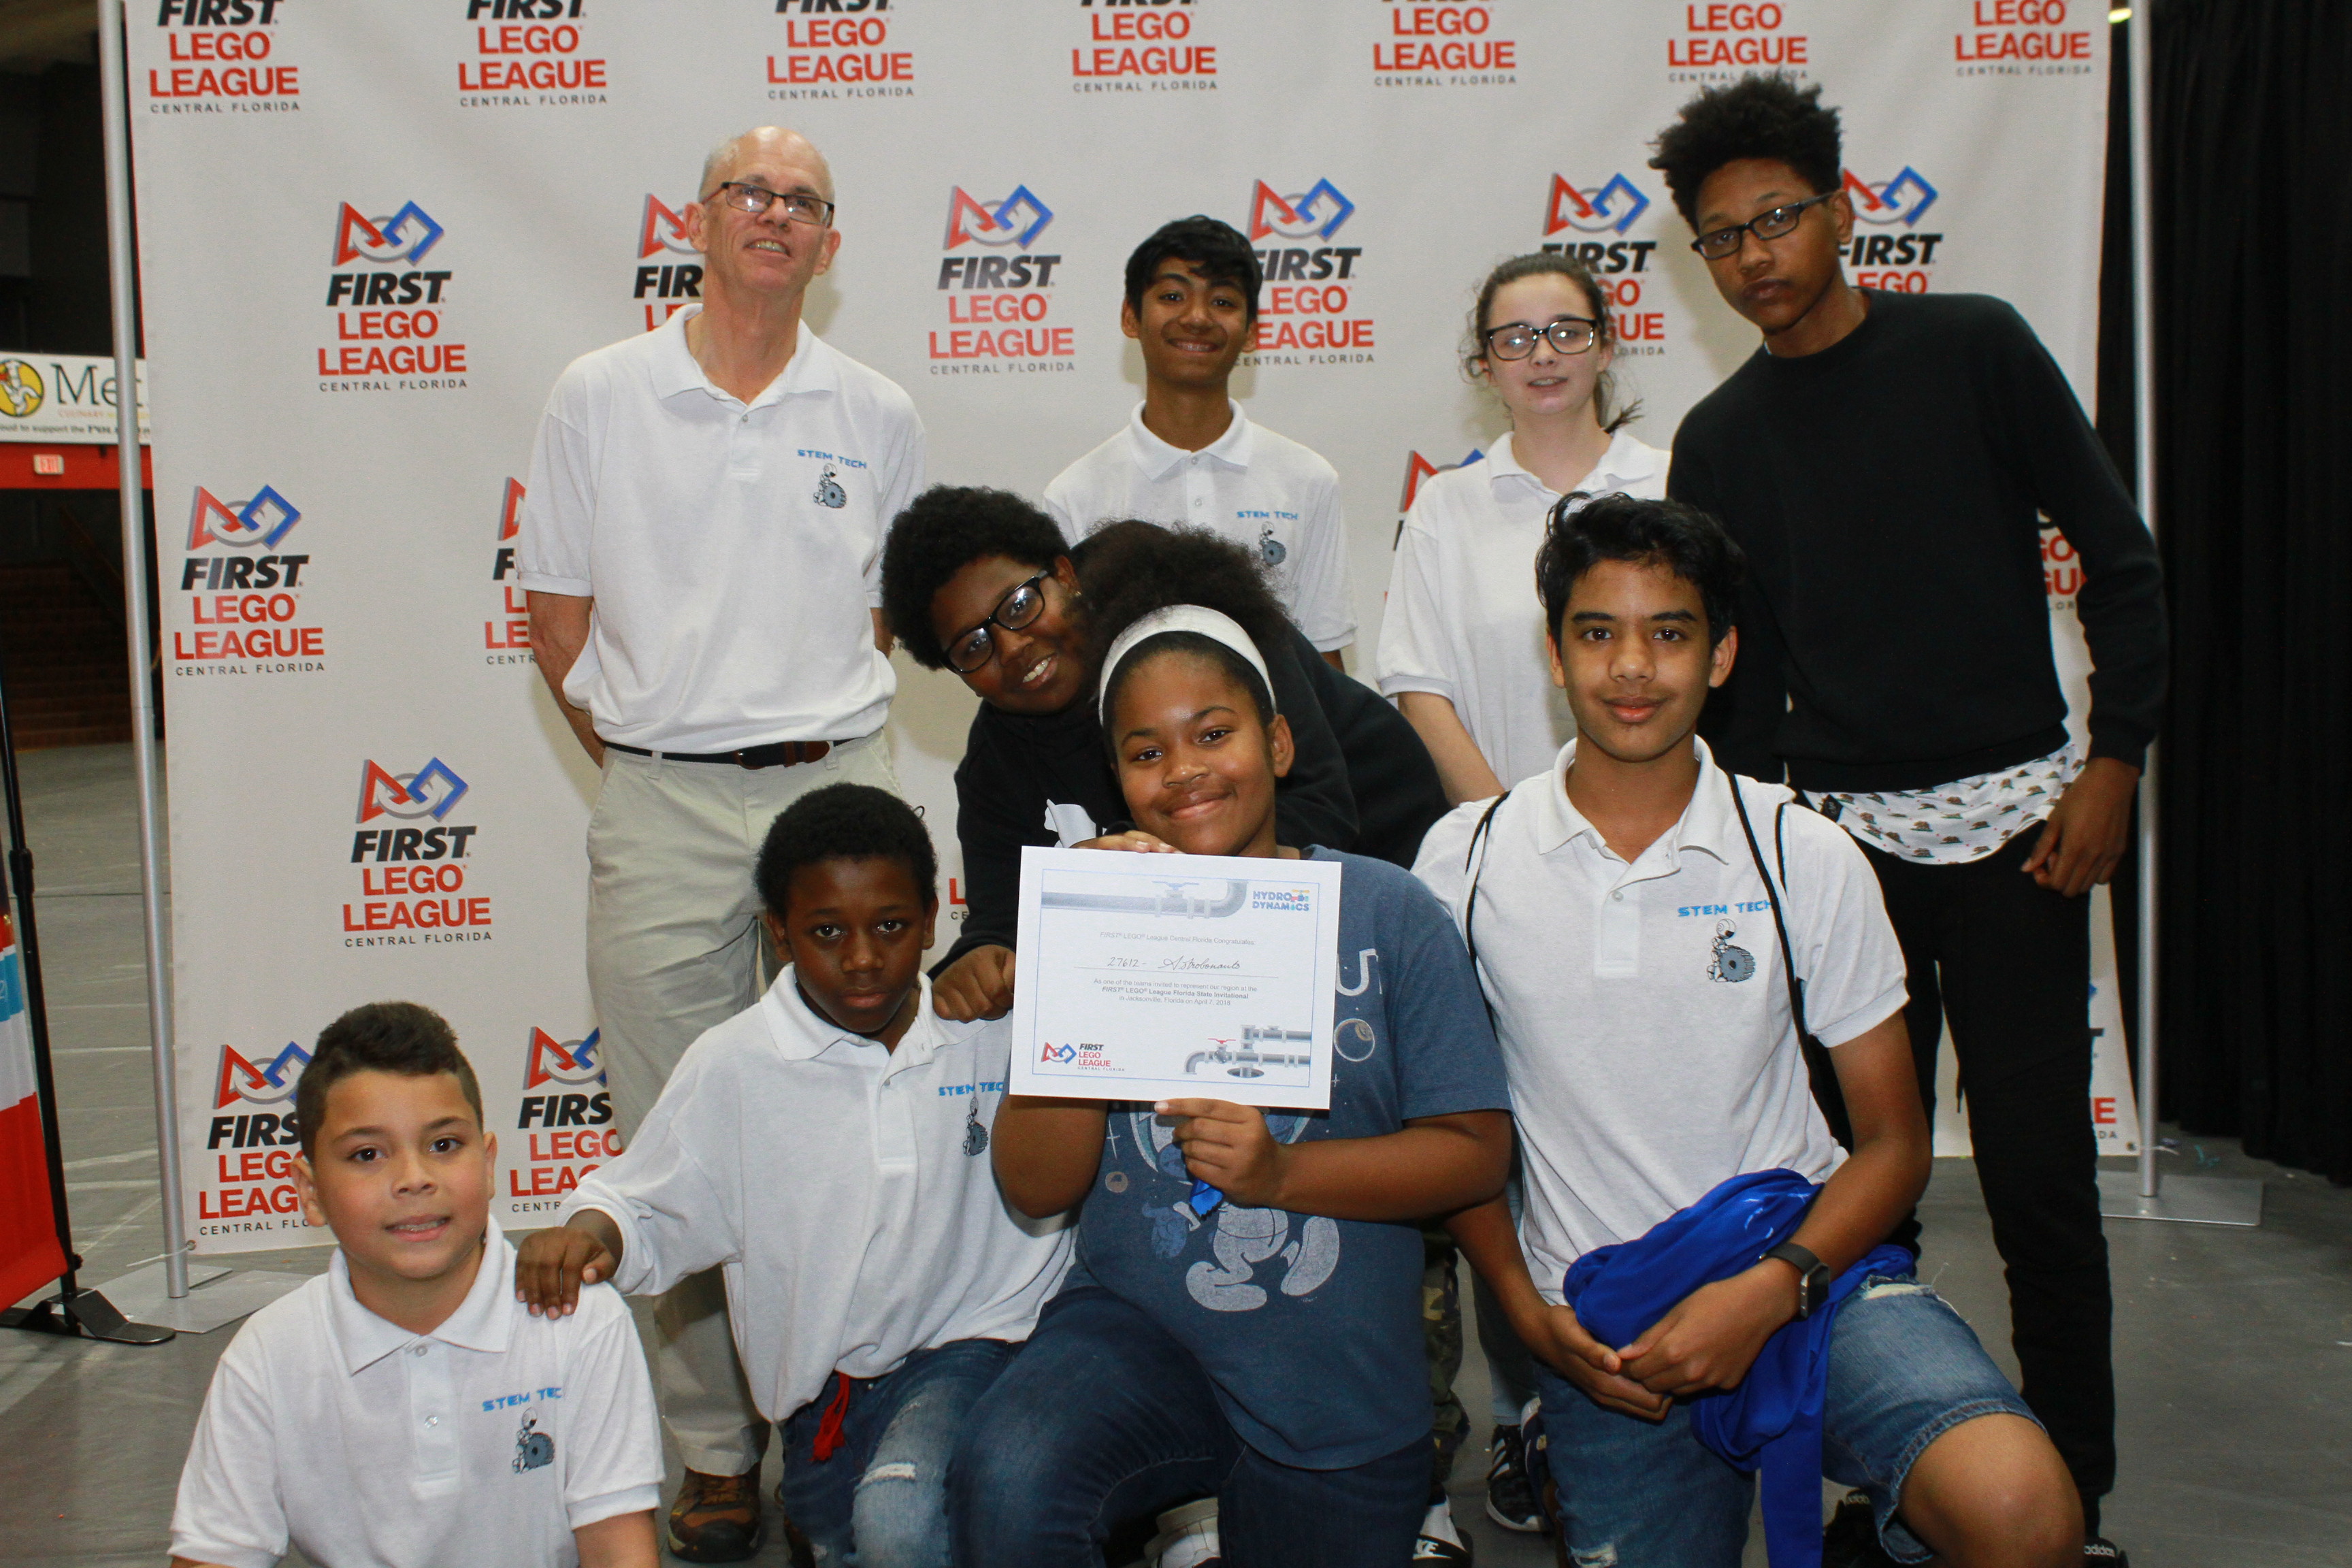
<point x="414" y="215"/>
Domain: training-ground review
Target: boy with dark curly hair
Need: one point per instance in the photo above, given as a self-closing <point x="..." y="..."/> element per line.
<point x="1897" y="666"/>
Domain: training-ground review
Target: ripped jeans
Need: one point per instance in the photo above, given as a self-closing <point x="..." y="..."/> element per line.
<point x="880" y="1501"/>
<point x="1904" y="1370"/>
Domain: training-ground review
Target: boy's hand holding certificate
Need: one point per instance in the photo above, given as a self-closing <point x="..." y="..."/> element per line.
<point x="1175" y="978"/>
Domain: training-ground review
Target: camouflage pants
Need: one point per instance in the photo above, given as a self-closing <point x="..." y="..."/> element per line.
<point x="1441" y="1327"/>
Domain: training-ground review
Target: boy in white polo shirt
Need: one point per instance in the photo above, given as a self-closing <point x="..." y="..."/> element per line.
<point x="400" y="1410"/>
<point x="1190" y="455"/>
<point x="1683" y="1191"/>
<point x="828" y="1147"/>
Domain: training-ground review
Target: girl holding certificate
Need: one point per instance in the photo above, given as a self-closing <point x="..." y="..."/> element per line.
<point x="1244" y="1315"/>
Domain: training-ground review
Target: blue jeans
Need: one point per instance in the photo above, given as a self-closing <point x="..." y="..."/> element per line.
<point x="1107" y="1418"/>
<point x="880" y="1500"/>
<point x="1904" y="1370"/>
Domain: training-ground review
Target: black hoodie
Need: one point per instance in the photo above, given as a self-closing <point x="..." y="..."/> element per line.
<point x="1362" y="781"/>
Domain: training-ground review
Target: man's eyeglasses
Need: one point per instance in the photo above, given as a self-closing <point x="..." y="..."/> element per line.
<point x="1568" y="335"/>
<point x="1018" y="608"/>
<point x="799" y="205"/>
<point x="1773" y="225"/>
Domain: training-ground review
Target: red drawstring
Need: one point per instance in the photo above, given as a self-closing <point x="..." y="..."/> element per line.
<point x="828" y="1427"/>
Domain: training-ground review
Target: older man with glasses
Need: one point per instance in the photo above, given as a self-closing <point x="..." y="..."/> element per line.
<point x="702" y="547"/>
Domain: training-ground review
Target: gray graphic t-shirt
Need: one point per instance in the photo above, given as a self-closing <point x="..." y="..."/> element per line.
<point x="1310" y="1326"/>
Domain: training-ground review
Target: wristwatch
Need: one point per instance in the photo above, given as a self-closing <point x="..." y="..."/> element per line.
<point x="1813" y="1277"/>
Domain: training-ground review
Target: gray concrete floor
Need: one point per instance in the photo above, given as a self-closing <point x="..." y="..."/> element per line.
<point x="2234" y="1348"/>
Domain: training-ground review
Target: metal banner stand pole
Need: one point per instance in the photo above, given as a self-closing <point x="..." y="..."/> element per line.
<point x="162" y="1296"/>
<point x="2142" y="1194"/>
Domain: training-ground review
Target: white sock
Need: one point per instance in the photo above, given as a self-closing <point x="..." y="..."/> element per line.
<point x="1439" y="1524"/>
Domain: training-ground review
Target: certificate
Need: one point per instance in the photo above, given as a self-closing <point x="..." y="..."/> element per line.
<point x="1144" y="977"/>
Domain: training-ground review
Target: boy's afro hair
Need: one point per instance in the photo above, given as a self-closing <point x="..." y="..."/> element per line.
<point x="1132" y="568"/>
<point x="943" y="531"/>
<point x="1755" y="117"/>
<point x="843" y="822"/>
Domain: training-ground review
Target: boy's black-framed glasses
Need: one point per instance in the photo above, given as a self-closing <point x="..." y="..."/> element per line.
<point x="1568" y="335"/>
<point x="1021" y="606"/>
<point x="799" y="205"/>
<point x="1774" y="225"/>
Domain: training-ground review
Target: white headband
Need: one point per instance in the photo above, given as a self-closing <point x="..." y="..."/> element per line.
<point x="1215" y="625"/>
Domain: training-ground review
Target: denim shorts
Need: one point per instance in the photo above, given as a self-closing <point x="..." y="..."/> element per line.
<point x="1904" y="1370"/>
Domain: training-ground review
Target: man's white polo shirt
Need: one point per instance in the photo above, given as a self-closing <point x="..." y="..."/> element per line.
<point x="489" y="1440"/>
<point x="1259" y="490"/>
<point x="845" y="1187"/>
<point x="734" y="550"/>
<point x="1643" y="1009"/>
<point x="1463" y="620"/>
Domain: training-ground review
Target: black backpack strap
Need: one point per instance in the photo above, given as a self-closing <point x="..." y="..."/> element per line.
<point x="1819" y="1069"/>
<point x="1478" y="835"/>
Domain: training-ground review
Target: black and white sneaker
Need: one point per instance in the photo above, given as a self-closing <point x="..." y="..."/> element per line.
<point x="2100" y="1553"/>
<point x="1510" y="1491"/>
<point x="1440" y="1542"/>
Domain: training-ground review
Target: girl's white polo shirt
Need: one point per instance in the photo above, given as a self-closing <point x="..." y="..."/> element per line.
<point x="1643" y="1009"/>
<point x="845" y="1187"/>
<point x="489" y="1440"/>
<point x="1463" y="620"/>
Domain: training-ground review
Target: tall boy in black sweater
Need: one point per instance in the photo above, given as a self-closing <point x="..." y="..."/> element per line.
<point x="1886" y="461"/>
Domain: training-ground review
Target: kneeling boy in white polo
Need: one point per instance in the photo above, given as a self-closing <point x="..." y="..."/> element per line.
<point x="400" y="1409"/>
<point x="1619" y="913"/>
<point x="828" y="1147"/>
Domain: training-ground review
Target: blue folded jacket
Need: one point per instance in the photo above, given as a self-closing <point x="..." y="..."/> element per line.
<point x="1772" y="1421"/>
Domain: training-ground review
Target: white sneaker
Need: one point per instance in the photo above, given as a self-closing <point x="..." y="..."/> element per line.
<point x="1187" y="1538"/>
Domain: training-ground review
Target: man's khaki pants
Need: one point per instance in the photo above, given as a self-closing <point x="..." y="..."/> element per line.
<point x="673" y="948"/>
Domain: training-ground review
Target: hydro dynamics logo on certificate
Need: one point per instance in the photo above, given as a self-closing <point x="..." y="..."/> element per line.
<point x="1146" y="978"/>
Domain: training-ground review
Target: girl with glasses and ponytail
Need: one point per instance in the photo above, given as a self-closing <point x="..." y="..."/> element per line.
<point x="1462" y="647"/>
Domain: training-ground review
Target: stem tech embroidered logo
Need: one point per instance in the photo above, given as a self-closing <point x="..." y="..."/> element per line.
<point x="1610" y="208"/>
<point x="1731" y="965"/>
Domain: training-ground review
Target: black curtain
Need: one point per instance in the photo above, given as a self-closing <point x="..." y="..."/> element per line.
<point x="2252" y="140"/>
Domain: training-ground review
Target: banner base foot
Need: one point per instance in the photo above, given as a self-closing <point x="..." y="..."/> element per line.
<point x="91" y="1316"/>
<point x="215" y="1295"/>
<point x="2185" y="1200"/>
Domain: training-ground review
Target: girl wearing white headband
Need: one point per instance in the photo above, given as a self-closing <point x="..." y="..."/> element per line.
<point x="1259" y="1337"/>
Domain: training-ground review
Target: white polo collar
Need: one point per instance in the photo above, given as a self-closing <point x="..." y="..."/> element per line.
<point x="802" y="1034"/>
<point x="1158" y="459"/>
<point x="810" y="370"/>
<point x="1709" y="822"/>
<point x="481" y="1323"/>
<point x="1625" y="464"/>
